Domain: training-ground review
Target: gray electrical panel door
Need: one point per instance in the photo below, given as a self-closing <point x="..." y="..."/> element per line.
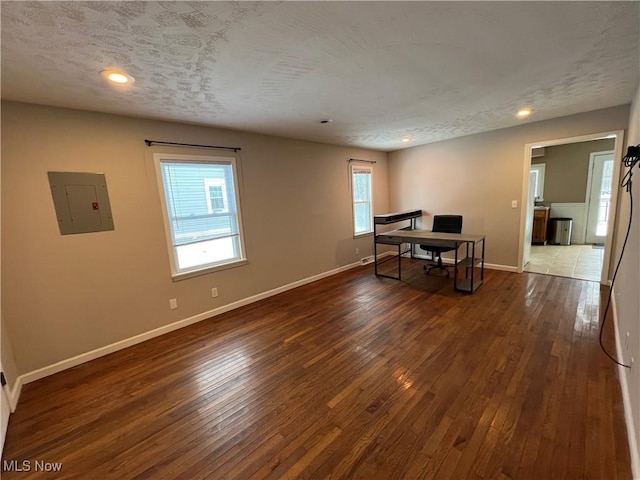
<point x="81" y="201"/>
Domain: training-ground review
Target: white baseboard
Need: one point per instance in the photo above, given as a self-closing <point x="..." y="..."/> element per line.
<point x="449" y="261"/>
<point x="128" y="342"/>
<point x="504" y="268"/>
<point x="114" y="347"/>
<point x="626" y="398"/>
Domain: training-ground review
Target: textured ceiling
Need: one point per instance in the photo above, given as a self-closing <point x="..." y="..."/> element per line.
<point x="379" y="70"/>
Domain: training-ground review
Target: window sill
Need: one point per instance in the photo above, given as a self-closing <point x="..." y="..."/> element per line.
<point x="360" y="235"/>
<point x="176" y="277"/>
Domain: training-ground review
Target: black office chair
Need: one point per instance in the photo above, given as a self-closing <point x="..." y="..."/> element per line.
<point x="442" y="223"/>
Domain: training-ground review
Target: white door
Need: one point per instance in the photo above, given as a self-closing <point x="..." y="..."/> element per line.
<point x="599" y="196"/>
<point x="4" y="414"/>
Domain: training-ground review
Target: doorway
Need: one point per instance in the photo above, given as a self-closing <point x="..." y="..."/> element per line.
<point x="592" y="209"/>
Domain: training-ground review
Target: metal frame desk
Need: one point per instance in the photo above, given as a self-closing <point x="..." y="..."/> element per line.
<point x="388" y="219"/>
<point x="409" y="235"/>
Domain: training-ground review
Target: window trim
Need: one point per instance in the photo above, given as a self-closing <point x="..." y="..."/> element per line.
<point x="177" y="274"/>
<point x="369" y="168"/>
<point x="207" y="191"/>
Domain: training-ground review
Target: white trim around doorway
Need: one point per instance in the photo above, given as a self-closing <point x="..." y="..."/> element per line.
<point x="618" y="135"/>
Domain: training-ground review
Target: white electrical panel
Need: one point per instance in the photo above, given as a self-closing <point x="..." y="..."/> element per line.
<point x="81" y="201"/>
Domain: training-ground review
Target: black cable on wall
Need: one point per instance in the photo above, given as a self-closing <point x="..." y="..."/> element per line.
<point x="630" y="160"/>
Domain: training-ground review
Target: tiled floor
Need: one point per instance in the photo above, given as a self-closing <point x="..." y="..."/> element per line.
<point x="574" y="261"/>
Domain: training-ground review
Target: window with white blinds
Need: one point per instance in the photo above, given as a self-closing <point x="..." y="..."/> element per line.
<point x="362" y="195"/>
<point x="202" y="212"/>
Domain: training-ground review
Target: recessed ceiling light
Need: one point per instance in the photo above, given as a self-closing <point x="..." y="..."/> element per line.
<point x="406" y="139"/>
<point x="325" y="121"/>
<point x="117" y="76"/>
<point x="524" y="112"/>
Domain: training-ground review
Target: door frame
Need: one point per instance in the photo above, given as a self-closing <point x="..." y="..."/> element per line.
<point x="5" y="412"/>
<point x="618" y="136"/>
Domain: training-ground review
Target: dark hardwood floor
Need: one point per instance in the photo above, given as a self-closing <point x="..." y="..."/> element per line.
<point x="349" y="377"/>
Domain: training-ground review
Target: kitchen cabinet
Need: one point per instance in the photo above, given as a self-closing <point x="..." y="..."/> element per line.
<point x="540" y="225"/>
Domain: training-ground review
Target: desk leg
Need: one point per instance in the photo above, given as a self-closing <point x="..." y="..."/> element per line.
<point x="473" y="263"/>
<point x="455" y="269"/>
<point x="466" y="269"/>
<point x="482" y="264"/>
<point x="413" y="245"/>
<point x="375" y="251"/>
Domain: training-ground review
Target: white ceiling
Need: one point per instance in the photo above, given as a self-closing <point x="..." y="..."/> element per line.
<point x="379" y="70"/>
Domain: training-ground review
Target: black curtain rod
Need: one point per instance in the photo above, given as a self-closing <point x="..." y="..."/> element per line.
<point x="174" y="144"/>
<point x="358" y="160"/>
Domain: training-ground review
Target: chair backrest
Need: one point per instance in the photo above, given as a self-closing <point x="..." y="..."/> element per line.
<point x="447" y="223"/>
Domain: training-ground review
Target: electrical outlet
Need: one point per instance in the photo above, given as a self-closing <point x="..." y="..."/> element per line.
<point x="173" y="303"/>
<point x="357" y="251"/>
<point x="514" y="203"/>
<point x="214" y="292"/>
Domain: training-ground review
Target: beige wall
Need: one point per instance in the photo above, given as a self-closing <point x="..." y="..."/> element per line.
<point x="65" y="295"/>
<point x="567" y="170"/>
<point x="628" y="280"/>
<point x="479" y="176"/>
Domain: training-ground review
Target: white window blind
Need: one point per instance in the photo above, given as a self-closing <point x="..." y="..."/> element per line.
<point x="202" y="212"/>
<point x="361" y="186"/>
